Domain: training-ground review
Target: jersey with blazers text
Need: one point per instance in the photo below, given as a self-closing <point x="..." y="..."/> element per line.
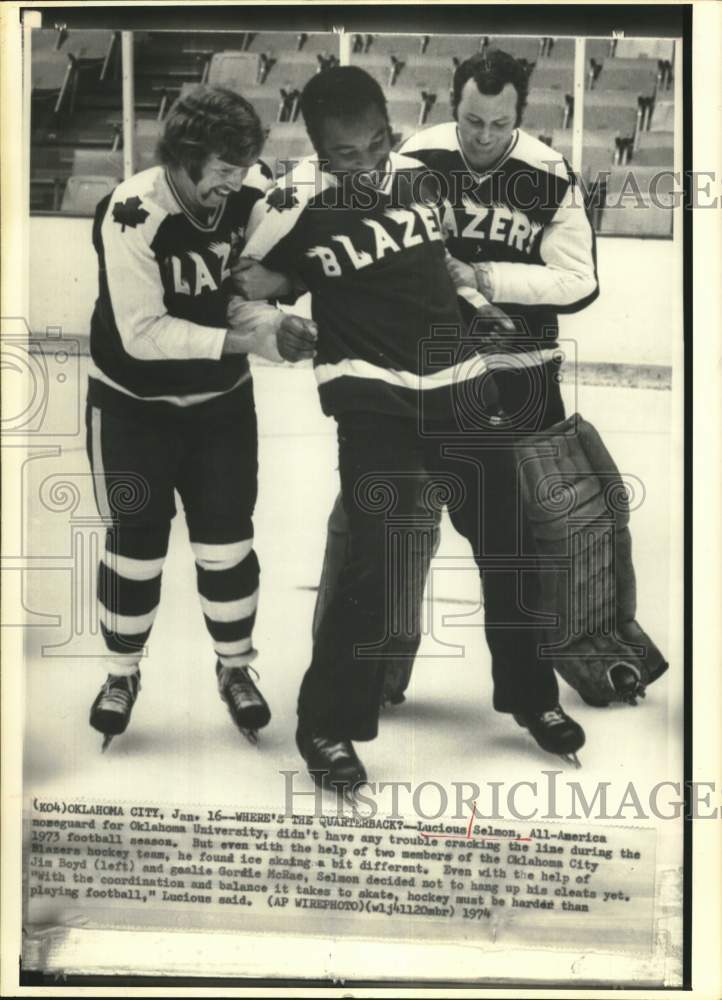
<point x="525" y="218"/>
<point x="159" y="324"/>
<point x="379" y="286"/>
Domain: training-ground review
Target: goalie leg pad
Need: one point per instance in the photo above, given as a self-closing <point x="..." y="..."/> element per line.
<point x="576" y="521"/>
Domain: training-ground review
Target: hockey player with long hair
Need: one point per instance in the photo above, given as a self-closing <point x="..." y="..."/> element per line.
<point x="170" y="397"/>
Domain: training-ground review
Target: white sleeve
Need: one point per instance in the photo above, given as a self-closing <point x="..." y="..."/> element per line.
<point x="568" y="275"/>
<point x="257" y="323"/>
<point x="135" y="287"/>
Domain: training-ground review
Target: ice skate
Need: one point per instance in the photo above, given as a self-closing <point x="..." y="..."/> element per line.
<point x="555" y="732"/>
<point x="247" y="706"/>
<point x="333" y="764"/>
<point x="110" y="712"/>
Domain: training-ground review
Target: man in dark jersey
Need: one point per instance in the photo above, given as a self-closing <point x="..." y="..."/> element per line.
<point x="517" y="231"/>
<point x="408" y="389"/>
<point x="170" y="398"/>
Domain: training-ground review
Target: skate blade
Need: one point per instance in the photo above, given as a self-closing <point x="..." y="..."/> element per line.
<point x="571" y="758"/>
<point x="349" y="793"/>
<point x="107" y="740"/>
<point x="350" y="799"/>
<point x="251" y="735"/>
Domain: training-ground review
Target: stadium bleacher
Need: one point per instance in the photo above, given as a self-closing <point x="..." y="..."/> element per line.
<point x="654" y="149"/>
<point x="634" y="75"/>
<point x="77" y="99"/>
<point x="97" y="162"/>
<point x="82" y="194"/>
<point x="553" y="74"/>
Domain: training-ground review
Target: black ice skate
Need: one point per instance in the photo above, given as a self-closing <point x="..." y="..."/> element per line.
<point x="333" y="764"/>
<point x="249" y="709"/>
<point x="110" y="712"/>
<point x="555" y="732"/>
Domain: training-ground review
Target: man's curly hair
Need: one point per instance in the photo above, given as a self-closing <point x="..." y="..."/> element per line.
<point x="208" y="121"/>
<point x="491" y="70"/>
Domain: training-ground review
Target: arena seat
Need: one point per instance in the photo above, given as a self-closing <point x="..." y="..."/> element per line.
<point x="544" y="112"/>
<point x="234" y="70"/>
<point x="378" y="66"/>
<point x="427" y="72"/>
<point x="240" y="70"/>
<point x="84" y="128"/>
<point x="634" y="75"/>
<point x="46" y="40"/>
<point x="644" y="48"/>
<point x="655" y="140"/>
<point x="611" y="109"/>
<point x="293" y="69"/>
<point x="598" y="48"/>
<point x="82" y="194"/>
<point x="89" y="45"/>
<point x="266" y="101"/>
<point x="97" y="162"/>
<point x="53" y="71"/>
<point x="654" y="149"/>
<point x="657" y="156"/>
<point x="553" y="74"/>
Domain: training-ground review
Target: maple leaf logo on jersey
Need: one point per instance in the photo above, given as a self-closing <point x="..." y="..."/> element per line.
<point x="129" y="213"/>
<point x="282" y="198"/>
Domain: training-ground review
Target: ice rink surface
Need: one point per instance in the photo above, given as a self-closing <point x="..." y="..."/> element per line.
<point x="181" y="746"/>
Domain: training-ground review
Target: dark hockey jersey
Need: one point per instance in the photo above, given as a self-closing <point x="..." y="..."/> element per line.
<point x="380" y="291"/>
<point x="526" y="218"/>
<point x="159" y="324"/>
